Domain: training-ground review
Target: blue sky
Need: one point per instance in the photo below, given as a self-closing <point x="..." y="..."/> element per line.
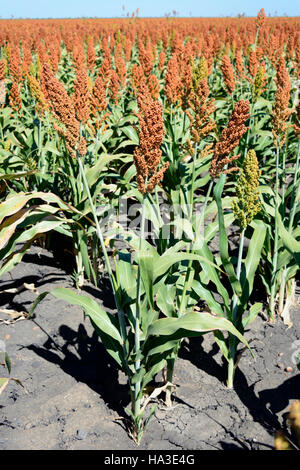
<point x="113" y="8"/>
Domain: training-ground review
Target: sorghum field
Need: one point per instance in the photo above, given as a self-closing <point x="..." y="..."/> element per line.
<point x="149" y="233"/>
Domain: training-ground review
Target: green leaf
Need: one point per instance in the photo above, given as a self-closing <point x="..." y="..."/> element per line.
<point x="253" y="258"/>
<point x="163" y="346"/>
<point x="125" y="274"/>
<point x="93" y="173"/>
<point x="105" y="136"/>
<point x="88" y="267"/>
<point x="145" y="262"/>
<point x="205" y="294"/>
<point x="211" y="273"/>
<point x="165" y="299"/>
<point x="15" y="176"/>
<point x="168" y="259"/>
<point x="151" y="214"/>
<point x="221" y="342"/>
<point x="112" y="346"/>
<point x="130" y="173"/>
<point x="138" y="377"/>
<point x="288" y="240"/>
<point x="223" y="238"/>
<point x="252" y="314"/>
<point x="36" y="302"/>
<point x="183" y="226"/>
<point x="91" y="308"/>
<point x="8" y="362"/>
<point x="194" y="322"/>
<point x="14" y="259"/>
<point x="49" y="223"/>
<point x="51" y="147"/>
<point x="131" y="133"/>
<point x="212" y="229"/>
<point x="155" y="369"/>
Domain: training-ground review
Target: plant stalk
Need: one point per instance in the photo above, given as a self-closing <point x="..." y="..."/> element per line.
<point x="137" y="388"/>
<point x="294" y="204"/>
<point x="275" y="256"/>
<point x="107" y="263"/>
<point x="171" y="361"/>
<point x="291" y="221"/>
<point x="232" y="339"/>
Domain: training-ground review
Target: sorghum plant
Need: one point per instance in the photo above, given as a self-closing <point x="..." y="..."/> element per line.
<point x="280" y="116"/>
<point x="148" y="327"/>
<point x="245" y="208"/>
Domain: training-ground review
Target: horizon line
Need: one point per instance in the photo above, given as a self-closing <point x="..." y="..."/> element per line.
<point x="238" y="16"/>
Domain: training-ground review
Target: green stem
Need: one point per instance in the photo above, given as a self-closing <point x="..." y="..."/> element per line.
<point x="282" y="290"/>
<point x="157" y="206"/>
<point x="283" y="176"/>
<point x="238" y="275"/>
<point x="113" y="281"/>
<point x="40" y="139"/>
<point x="207" y="197"/>
<point x="232" y="338"/>
<point x="187" y="277"/>
<point x="291" y="221"/>
<point x="191" y="198"/>
<point x="171" y="361"/>
<point x="275" y="256"/>
<point x="40" y="179"/>
<point x="232" y="100"/>
<point x="174" y="125"/>
<point x="184" y="123"/>
<point x="247" y="136"/>
<point x="294" y="204"/>
<point x="79" y="280"/>
<point x="137" y="388"/>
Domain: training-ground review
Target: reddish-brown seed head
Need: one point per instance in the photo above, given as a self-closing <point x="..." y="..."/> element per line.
<point x="230" y="139"/>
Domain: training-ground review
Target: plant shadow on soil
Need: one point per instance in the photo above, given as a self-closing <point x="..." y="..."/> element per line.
<point x="89" y="363"/>
<point x="262" y="397"/>
<point x="102" y="376"/>
<point x="264" y="406"/>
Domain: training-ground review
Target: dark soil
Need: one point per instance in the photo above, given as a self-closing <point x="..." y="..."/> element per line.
<point x="76" y="398"/>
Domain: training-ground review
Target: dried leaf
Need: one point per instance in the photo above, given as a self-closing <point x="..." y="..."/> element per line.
<point x="290" y="302"/>
<point x="17" y="290"/>
<point x="4" y="381"/>
<point x="156" y="392"/>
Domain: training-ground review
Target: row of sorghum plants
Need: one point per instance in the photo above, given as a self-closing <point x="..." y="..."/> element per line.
<point x="198" y="116"/>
